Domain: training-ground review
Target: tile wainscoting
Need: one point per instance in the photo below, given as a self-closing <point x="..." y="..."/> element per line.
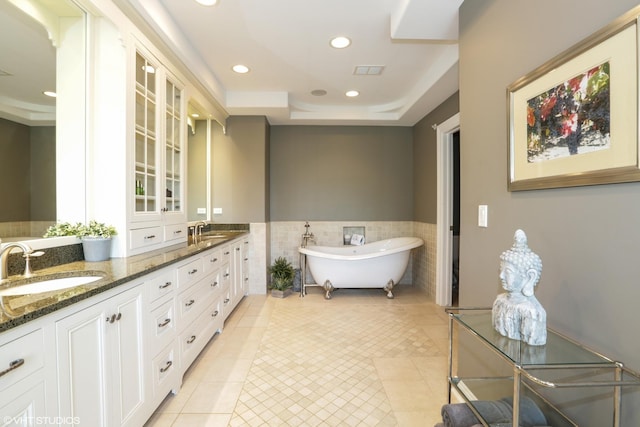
<point x="286" y="236"/>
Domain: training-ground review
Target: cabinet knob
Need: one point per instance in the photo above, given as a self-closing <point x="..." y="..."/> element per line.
<point x="13" y="365"/>
<point x="237" y="249"/>
<point x="214" y="284"/>
<point x="166" y="367"/>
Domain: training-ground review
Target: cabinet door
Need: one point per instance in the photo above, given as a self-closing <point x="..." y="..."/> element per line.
<point x="174" y="141"/>
<point x="127" y="355"/>
<point x="100" y="354"/>
<point x="23" y="405"/>
<point x="237" y="276"/>
<point x="83" y="375"/>
<point x="146" y="137"/>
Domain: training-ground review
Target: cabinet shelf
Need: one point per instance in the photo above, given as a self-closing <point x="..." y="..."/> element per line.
<point x="560" y="363"/>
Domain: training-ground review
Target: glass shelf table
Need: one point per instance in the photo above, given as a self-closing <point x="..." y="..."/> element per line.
<point x="532" y="367"/>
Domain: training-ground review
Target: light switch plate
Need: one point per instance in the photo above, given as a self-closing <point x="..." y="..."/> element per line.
<point x="217" y="211"/>
<point x="483" y="214"/>
<point x="202" y="211"/>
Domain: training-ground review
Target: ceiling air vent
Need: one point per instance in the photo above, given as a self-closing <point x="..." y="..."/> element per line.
<point x="368" y="70"/>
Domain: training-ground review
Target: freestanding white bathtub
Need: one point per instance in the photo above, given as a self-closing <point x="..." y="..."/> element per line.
<point x="379" y="264"/>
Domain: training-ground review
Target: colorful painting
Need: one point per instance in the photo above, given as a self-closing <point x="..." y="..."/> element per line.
<point x="572" y="118"/>
<point x="573" y="121"/>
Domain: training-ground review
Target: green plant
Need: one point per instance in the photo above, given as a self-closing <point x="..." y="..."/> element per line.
<point x="62" y="229"/>
<point x="96" y="229"/>
<point x="282" y="274"/>
<point x="93" y="229"/>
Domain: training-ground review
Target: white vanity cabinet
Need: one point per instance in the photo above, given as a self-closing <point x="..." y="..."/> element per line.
<point x="101" y="361"/>
<point x="23" y="378"/>
<point x="157" y="186"/>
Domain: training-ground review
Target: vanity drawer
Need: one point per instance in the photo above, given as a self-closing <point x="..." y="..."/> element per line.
<point x="175" y="232"/>
<point x="161" y="285"/>
<point x="21" y="357"/>
<point x="143" y="237"/>
<point x="191" y="304"/>
<point x="164" y="372"/>
<point x="163" y="326"/>
<point x="212" y="260"/>
<point x="189" y="273"/>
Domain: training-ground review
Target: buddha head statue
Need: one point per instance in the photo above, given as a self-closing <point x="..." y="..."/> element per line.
<point x="520" y="267"/>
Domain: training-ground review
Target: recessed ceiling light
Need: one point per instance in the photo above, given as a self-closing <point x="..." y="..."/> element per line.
<point x="340" y="42"/>
<point x="240" y="69"/>
<point x="318" y="92"/>
<point x="352" y="93"/>
<point x="207" y="2"/>
<point x="50" y="93"/>
<point x="195" y="115"/>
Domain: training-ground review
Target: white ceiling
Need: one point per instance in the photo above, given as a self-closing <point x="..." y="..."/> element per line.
<point x="285" y="43"/>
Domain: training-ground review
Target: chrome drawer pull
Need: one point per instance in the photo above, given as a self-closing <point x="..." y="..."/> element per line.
<point x="226" y="275"/>
<point x="177" y="232"/>
<point x="214" y="284"/>
<point x="226" y="300"/>
<point x="165" y="323"/>
<point x="237" y="249"/>
<point x="192" y="339"/>
<point x="13" y="365"/>
<point x="226" y="253"/>
<point x="166" y="285"/>
<point x="213" y="260"/>
<point x="166" y="367"/>
<point x="194" y="271"/>
<point x="153" y="236"/>
<point x="190" y="303"/>
<point x="215" y="314"/>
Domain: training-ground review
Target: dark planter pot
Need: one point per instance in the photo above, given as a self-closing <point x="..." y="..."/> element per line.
<point x="281" y="294"/>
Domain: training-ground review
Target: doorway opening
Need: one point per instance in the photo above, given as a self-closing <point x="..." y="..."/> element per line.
<point x="448" y="215"/>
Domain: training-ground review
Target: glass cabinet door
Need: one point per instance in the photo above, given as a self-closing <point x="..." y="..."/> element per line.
<point x="146" y="153"/>
<point x="173" y="148"/>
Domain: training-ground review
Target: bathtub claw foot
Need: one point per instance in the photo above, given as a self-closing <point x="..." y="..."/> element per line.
<point x="388" y="288"/>
<point x="328" y="287"/>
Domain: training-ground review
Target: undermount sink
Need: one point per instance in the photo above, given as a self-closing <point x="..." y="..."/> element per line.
<point x="50" y="284"/>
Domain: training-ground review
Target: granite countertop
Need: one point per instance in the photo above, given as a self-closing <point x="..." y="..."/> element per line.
<point x="16" y="310"/>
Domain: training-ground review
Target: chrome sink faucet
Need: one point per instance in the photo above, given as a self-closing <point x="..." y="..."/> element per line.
<point x="199" y="226"/>
<point x="4" y="256"/>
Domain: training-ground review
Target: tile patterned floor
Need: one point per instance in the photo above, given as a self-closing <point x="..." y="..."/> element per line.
<point x="358" y="359"/>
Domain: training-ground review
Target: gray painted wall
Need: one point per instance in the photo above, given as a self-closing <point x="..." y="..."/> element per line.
<point x="588" y="237"/>
<point x="240" y="170"/>
<point x="425" y="162"/>
<point x="341" y="173"/>
<point x="43" y="173"/>
<point x="27" y="172"/>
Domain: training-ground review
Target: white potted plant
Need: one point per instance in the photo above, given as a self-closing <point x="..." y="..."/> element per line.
<point x="96" y="240"/>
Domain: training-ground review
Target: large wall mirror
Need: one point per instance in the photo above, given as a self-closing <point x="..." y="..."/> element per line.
<point x="42" y="48"/>
<point x="201" y="127"/>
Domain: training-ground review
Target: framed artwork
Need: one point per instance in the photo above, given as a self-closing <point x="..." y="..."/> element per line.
<point x="574" y="120"/>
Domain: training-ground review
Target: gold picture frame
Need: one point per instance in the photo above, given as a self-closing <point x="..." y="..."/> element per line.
<point x="574" y="120"/>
